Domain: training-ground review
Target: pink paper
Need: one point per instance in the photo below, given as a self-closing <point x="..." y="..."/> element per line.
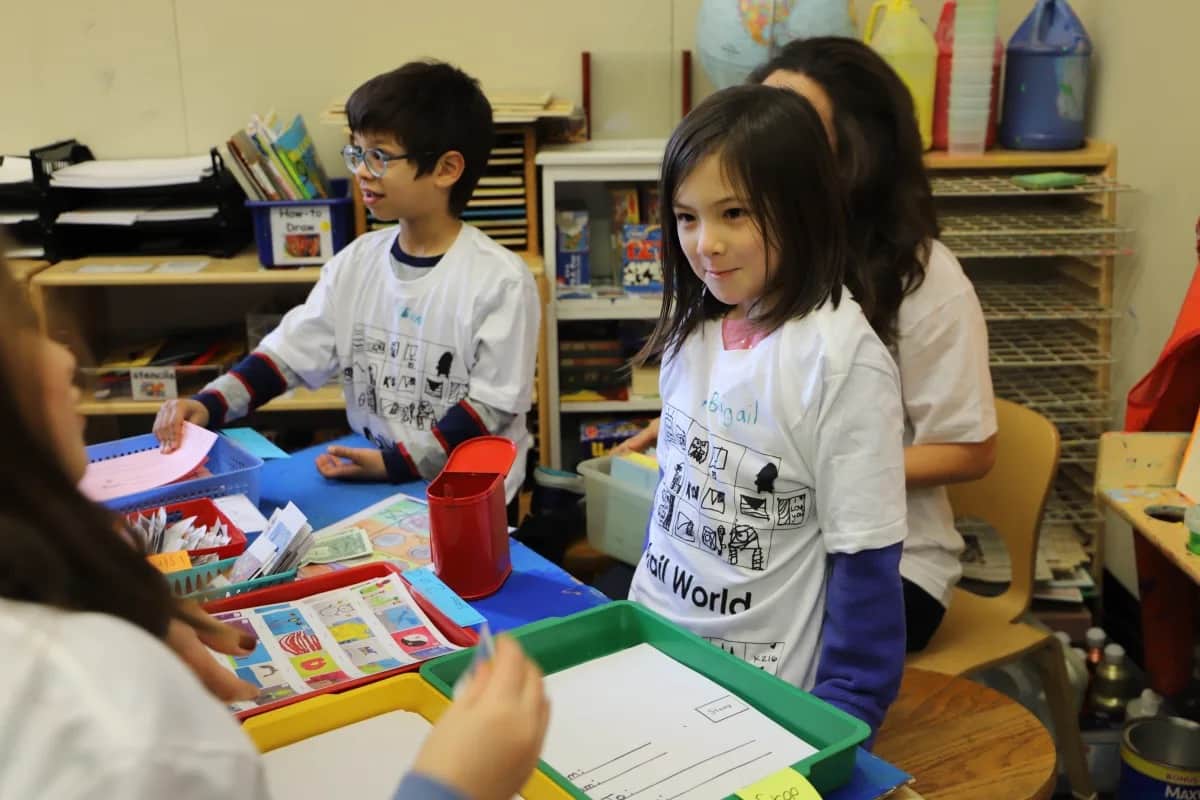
<point x="150" y="469"/>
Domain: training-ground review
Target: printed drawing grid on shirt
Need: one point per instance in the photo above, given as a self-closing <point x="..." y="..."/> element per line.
<point x="405" y="378"/>
<point x="764" y="655"/>
<point x="720" y="497"/>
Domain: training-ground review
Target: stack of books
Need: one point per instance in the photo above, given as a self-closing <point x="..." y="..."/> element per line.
<point x="274" y="163"/>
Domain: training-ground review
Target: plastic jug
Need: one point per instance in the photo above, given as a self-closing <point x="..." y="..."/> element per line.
<point x="468" y="525"/>
<point x="944" y="36"/>
<point x="907" y="44"/>
<point x="1045" y="84"/>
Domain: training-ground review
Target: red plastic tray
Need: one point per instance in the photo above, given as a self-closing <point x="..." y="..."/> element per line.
<point x="207" y="513"/>
<point x="306" y="587"/>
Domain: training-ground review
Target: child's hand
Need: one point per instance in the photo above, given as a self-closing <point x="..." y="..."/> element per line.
<point x="168" y="425"/>
<point x="640" y="441"/>
<point x="189" y="638"/>
<point x="487" y="743"/>
<point x="352" y="464"/>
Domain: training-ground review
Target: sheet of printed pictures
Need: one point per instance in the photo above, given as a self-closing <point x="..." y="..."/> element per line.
<point x="329" y="638"/>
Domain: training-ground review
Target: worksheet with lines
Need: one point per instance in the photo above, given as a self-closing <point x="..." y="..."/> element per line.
<point x="637" y="724"/>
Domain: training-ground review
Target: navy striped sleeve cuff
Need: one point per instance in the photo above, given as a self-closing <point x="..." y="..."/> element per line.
<point x="261" y="377"/>
<point x="457" y="425"/>
<point x="216" y="405"/>
<point x="399" y="464"/>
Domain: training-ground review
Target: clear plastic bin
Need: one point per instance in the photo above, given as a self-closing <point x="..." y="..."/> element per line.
<point x="617" y="513"/>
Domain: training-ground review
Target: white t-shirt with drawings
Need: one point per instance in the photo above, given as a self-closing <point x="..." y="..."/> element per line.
<point x="942" y="350"/>
<point x="409" y="349"/>
<point x="772" y="458"/>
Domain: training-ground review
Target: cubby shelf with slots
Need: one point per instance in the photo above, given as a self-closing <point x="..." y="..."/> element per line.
<point x="1052" y="298"/>
<point x="1048" y="344"/>
<point x="1050" y="391"/>
<point x="990" y="185"/>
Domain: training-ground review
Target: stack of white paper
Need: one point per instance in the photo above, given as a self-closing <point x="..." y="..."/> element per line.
<point x="133" y="173"/>
<point x="15" y="169"/>
<point x="130" y="216"/>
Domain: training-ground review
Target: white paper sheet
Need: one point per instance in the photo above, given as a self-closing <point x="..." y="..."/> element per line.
<point x="363" y="761"/>
<point x="639" y="724"/>
<point x="127" y="173"/>
<point x="149" y="469"/>
<point x="242" y="513"/>
<point x="16" y="169"/>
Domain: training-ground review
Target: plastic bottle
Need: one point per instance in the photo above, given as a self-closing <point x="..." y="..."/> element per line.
<point x="1095" y="639"/>
<point x="1077" y="672"/>
<point x="1111" y="686"/>
<point x="1046" y="78"/>
<point x="1147" y="704"/>
<point x="906" y="43"/>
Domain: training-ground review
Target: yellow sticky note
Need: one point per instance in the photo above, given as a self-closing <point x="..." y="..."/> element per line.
<point x="171" y="562"/>
<point x="787" y="784"/>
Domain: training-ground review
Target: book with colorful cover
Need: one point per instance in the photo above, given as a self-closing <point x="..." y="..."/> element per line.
<point x="296" y="146"/>
<point x="280" y="168"/>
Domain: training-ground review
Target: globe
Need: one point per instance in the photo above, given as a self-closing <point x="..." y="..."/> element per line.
<point x="735" y="36"/>
<point x="817" y="18"/>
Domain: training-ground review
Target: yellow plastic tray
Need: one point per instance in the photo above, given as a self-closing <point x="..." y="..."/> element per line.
<point x="328" y="712"/>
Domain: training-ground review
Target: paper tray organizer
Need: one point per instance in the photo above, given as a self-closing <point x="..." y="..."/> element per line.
<point x="558" y="643"/>
<point x="220" y="236"/>
<point x="307" y="587"/>
<point x="326" y="713"/>
<point x="234" y="471"/>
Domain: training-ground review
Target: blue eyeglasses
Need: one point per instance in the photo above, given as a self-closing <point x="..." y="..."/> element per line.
<point x="376" y="160"/>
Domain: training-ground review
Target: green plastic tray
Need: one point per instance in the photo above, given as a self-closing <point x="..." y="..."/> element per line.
<point x="562" y="642"/>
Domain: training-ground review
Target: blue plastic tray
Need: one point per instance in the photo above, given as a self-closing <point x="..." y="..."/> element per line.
<point x="234" y="471"/>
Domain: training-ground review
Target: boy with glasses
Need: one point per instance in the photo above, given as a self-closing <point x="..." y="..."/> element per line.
<point x="431" y="324"/>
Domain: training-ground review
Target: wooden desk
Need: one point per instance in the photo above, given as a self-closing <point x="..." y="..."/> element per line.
<point x="962" y="741"/>
<point x="1135" y="471"/>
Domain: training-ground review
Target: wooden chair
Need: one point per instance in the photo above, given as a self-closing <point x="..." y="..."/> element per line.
<point x="980" y="632"/>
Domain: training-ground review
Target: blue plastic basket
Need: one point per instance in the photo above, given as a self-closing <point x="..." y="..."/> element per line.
<point x="341" y="214"/>
<point x="234" y="471"/>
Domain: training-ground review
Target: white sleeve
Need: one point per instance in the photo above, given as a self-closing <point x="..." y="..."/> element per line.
<point x="506" y="342"/>
<point x="304" y="340"/>
<point x="944" y="371"/>
<point x="859" y="460"/>
<point x="179" y="775"/>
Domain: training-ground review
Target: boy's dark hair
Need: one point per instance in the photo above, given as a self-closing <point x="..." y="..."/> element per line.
<point x="431" y="108"/>
<point x="892" y="217"/>
<point x="775" y="155"/>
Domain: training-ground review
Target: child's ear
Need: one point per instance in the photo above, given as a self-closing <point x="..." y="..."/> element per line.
<point x="449" y="169"/>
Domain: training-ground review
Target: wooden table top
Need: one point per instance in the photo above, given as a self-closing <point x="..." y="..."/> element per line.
<point x="962" y="741"/>
<point x="1169" y="537"/>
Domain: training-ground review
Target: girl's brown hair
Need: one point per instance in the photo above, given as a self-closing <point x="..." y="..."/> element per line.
<point x="58" y="548"/>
